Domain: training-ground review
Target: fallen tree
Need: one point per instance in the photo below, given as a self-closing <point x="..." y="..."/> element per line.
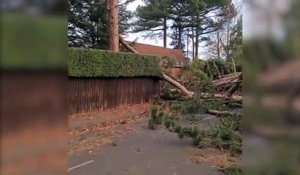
<point x="233" y="78"/>
<point x="172" y="81"/>
<point x="228" y="79"/>
<point x="178" y="85"/>
<point x="234" y="88"/>
<point x="127" y="46"/>
<point x="219" y="113"/>
<point x="236" y="98"/>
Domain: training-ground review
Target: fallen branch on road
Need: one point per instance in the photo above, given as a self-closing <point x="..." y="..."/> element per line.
<point x="218" y="113"/>
<point x="232" y="98"/>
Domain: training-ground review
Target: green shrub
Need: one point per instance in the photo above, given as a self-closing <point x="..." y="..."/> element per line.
<point x="167" y="94"/>
<point x="196" y="131"/>
<point x="222" y="136"/>
<point x="188" y="132"/>
<point x="152" y="125"/>
<point x="177" y="129"/>
<point x="233" y="170"/>
<point x="153" y="114"/>
<point x="225" y="134"/>
<point x="197" y="139"/>
<point x="168" y="122"/>
<point x="195" y="106"/>
<point x="213" y="133"/>
<point x="235" y="149"/>
<point x="154" y="110"/>
<point x="100" y="63"/>
<point x="204" y="142"/>
<point x="181" y="134"/>
<point x="160" y="118"/>
<point x="173" y="124"/>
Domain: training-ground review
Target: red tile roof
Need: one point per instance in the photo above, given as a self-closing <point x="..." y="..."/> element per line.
<point x="158" y="51"/>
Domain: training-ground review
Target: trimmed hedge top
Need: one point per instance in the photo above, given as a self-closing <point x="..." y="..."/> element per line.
<point x="100" y="63"/>
<point x="33" y="43"/>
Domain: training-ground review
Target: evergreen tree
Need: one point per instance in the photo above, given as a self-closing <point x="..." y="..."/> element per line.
<point x="199" y="17"/>
<point x="153" y="18"/>
<point x="88" y="23"/>
<point x="206" y="17"/>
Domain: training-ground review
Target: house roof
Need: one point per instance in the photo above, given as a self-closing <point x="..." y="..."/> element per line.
<point x="158" y="51"/>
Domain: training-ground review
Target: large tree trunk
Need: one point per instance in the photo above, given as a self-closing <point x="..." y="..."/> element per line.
<point x="172" y="81"/>
<point x="178" y="85"/>
<point x="227" y="79"/>
<point x="113" y="25"/>
<point x="131" y="49"/>
<point x="234" y="88"/>
<point x="236" y="98"/>
<point x="165" y="32"/>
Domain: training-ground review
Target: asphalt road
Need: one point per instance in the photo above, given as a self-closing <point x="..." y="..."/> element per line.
<point x="142" y="152"/>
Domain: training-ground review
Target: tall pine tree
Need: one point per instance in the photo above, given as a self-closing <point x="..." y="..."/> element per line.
<point x="199" y="17"/>
<point x="153" y="18"/>
<point x="88" y="23"/>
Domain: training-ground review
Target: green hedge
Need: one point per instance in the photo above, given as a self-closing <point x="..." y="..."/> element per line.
<point x="33" y="43"/>
<point x="100" y="63"/>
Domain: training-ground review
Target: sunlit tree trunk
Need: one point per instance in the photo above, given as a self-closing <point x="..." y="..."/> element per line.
<point x="113" y="25"/>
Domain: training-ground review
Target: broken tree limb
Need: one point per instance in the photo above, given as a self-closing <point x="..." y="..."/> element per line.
<point x="228" y="55"/>
<point x="174" y="78"/>
<point x="227" y="79"/>
<point x="131" y="49"/>
<point x="234" y="88"/>
<point x="172" y="81"/>
<point x="178" y="85"/>
<point x="230" y="75"/>
<point x="218" y="113"/>
<point x="232" y="98"/>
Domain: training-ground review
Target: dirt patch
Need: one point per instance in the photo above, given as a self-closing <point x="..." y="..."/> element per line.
<point x="86" y="119"/>
<point x="108" y="124"/>
<point x="216" y="157"/>
<point x="96" y="129"/>
<point x="28" y="151"/>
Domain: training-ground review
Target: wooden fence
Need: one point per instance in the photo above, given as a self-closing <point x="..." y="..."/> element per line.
<point x="30" y="98"/>
<point x="94" y="94"/>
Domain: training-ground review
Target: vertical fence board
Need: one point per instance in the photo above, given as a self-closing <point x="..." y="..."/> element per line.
<point x="95" y="94"/>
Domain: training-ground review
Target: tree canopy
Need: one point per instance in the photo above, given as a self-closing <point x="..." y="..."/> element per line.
<point x="182" y="20"/>
<point x="88" y="23"/>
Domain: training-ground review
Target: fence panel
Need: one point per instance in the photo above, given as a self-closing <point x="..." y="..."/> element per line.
<point x="95" y="94"/>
